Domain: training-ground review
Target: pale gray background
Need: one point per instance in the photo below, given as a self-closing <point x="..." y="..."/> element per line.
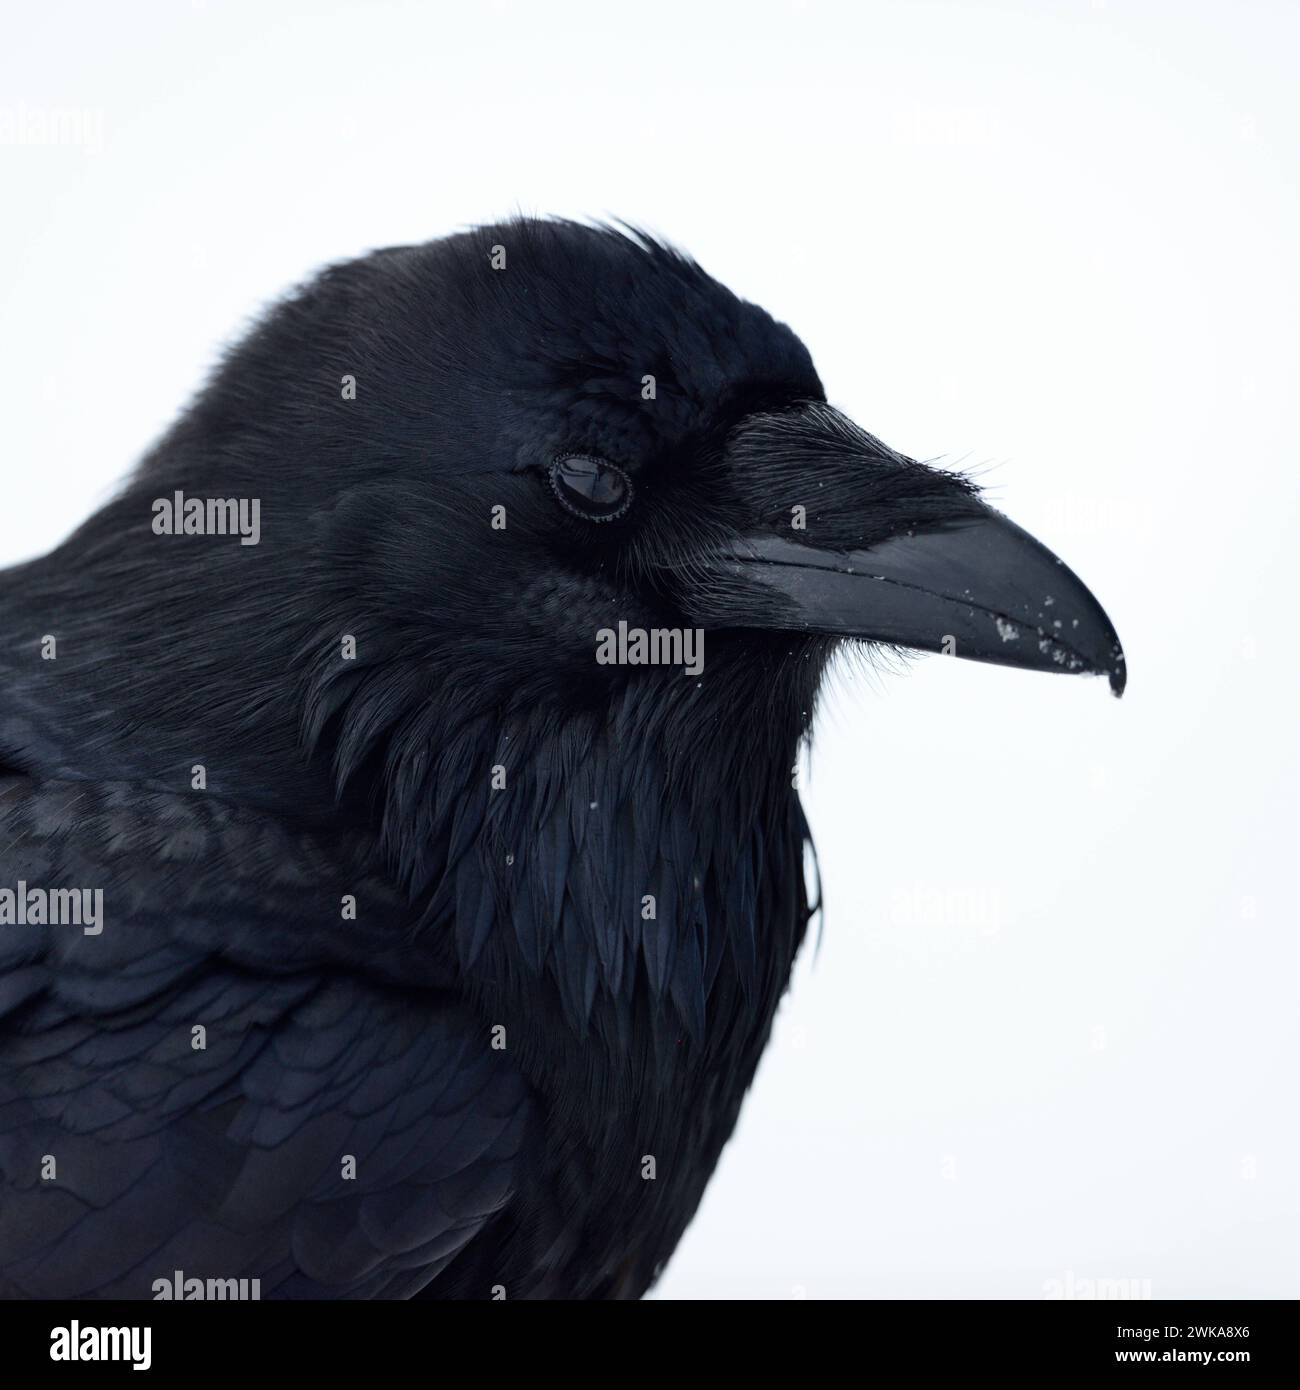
<point x="1052" y="1031"/>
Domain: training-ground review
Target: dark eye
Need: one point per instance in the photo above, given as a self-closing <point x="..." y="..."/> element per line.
<point x="590" y="488"/>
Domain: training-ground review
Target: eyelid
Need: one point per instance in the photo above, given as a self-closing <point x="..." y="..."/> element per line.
<point x="602" y="465"/>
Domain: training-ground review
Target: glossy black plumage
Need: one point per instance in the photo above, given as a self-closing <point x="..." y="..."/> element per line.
<point x="501" y="806"/>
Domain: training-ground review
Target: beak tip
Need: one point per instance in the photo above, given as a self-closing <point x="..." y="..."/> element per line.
<point x="1118" y="675"/>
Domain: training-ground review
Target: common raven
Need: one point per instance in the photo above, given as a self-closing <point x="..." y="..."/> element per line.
<point x="401" y="864"/>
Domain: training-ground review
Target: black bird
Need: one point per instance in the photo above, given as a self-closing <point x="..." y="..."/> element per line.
<point x="436" y="948"/>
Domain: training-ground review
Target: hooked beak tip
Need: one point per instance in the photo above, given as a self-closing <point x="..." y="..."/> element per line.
<point x="1118" y="676"/>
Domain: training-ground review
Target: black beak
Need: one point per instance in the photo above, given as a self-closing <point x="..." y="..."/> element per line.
<point x="973" y="586"/>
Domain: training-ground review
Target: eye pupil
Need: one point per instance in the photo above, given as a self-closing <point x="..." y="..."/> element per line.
<point x="590" y="487"/>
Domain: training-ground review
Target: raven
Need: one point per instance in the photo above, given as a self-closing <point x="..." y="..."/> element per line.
<point x="401" y="860"/>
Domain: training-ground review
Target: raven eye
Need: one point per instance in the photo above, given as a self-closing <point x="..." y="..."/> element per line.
<point x="590" y="488"/>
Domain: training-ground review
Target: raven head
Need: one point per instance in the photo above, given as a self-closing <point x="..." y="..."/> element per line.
<point x="558" y="430"/>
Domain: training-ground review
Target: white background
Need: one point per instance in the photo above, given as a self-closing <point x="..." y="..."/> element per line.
<point x="1051" y="1035"/>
